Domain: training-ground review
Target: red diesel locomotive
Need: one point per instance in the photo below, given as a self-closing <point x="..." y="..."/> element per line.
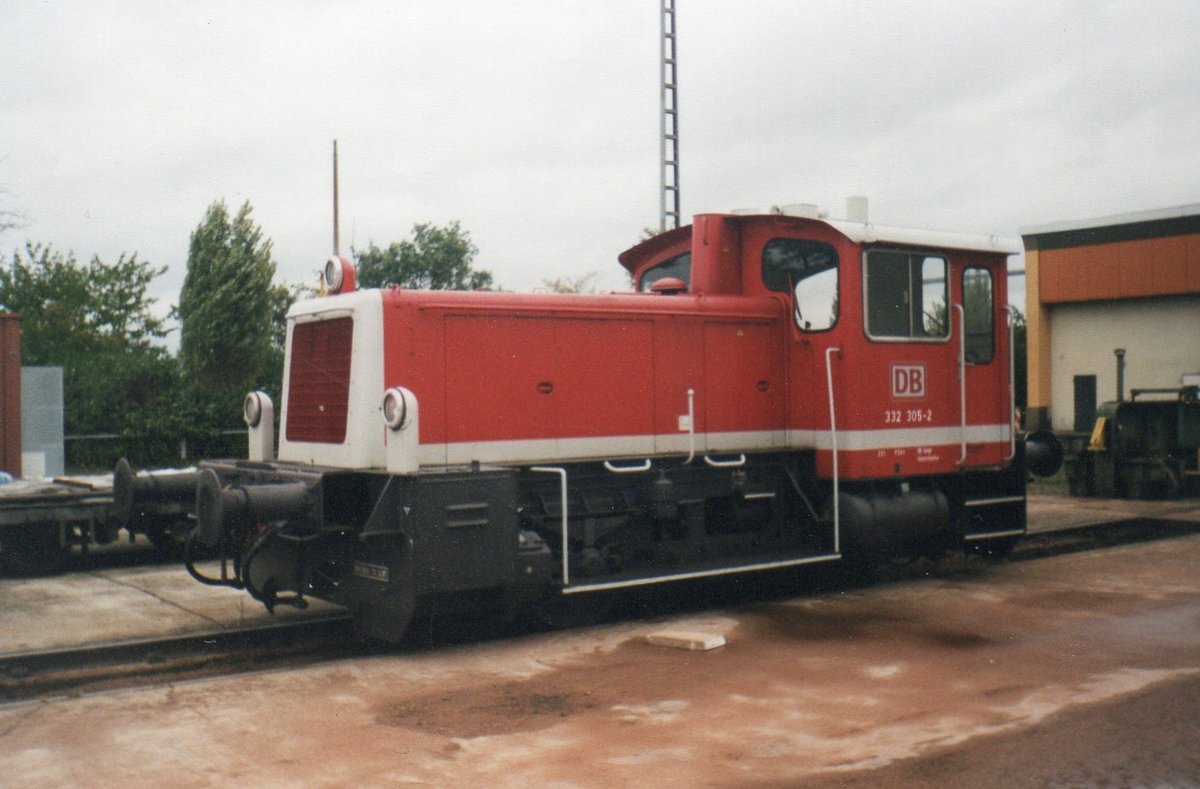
<point x="780" y="390"/>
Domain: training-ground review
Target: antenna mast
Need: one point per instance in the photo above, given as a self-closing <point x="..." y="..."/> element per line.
<point x="336" y="246"/>
<point x="669" y="182"/>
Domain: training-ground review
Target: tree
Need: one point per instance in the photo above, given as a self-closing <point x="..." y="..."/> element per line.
<point x="228" y="342"/>
<point x="1020" y="360"/>
<point x="436" y="258"/>
<point x="97" y="323"/>
<point x="71" y="309"/>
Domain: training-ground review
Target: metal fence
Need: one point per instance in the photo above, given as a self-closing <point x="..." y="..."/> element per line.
<point x="99" y="452"/>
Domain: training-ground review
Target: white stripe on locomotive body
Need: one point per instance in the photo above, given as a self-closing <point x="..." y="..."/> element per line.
<point x="596" y="448"/>
<point x="912" y="437"/>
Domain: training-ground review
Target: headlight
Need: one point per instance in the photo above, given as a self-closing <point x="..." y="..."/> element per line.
<point x="333" y="274"/>
<point x="252" y="409"/>
<point x="395" y="408"/>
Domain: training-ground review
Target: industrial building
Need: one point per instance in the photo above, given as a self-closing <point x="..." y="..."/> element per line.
<point x="1113" y="304"/>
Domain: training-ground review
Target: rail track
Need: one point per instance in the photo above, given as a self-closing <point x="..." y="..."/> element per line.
<point x="91" y="668"/>
<point x="95" y="668"/>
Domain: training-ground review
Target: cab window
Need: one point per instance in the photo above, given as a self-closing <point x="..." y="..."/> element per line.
<point x="809" y="270"/>
<point x="906" y="296"/>
<point x="679" y="267"/>
<point x="979" y="311"/>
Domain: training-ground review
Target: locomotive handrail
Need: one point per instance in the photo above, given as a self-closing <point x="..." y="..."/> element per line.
<point x="1012" y="383"/>
<point x="640" y="467"/>
<point x="691" y="426"/>
<point x="962" y="382"/>
<point x="837" y="512"/>
<point x="738" y="462"/>
<point x="562" y="475"/>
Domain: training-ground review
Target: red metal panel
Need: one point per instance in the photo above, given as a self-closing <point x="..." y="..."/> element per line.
<point x="743" y="376"/>
<point x="678" y="367"/>
<point x="604" y="381"/>
<point x="530" y="377"/>
<point x="518" y="367"/>
<point x="319" y="381"/>
<point x="499" y="380"/>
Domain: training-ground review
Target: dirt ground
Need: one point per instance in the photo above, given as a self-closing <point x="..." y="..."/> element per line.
<point x="1077" y="670"/>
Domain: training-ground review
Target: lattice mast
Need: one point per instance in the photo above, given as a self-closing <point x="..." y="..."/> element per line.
<point x="669" y="89"/>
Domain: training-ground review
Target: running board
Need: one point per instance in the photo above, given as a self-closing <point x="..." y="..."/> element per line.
<point x="992" y="535"/>
<point x="993" y="502"/>
<point x="658" y="579"/>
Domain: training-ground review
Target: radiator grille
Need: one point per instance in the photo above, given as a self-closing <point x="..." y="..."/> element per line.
<point x="319" y="381"/>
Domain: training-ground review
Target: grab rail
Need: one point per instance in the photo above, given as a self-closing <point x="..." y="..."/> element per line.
<point x="643" y="466"/>
<point x="962" y="382"/>
<point x="691" y="426"/>
<point x="1012" y="383"/>
<point x="837" y="522"/>
<point x="562" y="474"/>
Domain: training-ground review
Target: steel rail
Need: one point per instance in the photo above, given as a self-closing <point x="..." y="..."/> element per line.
<point x="64" y="671"/>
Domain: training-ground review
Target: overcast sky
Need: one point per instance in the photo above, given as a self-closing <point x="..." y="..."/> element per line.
<point x="536" y="124"/>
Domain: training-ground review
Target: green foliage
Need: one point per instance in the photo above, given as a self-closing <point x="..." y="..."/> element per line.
<point x="229" y="342"/>
<point x="69" y="308"/>
<point x="435" y="258"/>
<point x="96" y="322"/>
<point x="1020" y="360"/>
<point x="585" y="283"/>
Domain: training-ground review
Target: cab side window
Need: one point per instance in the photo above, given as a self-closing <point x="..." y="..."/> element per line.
<point x="906" y="295"/>
<point x="979" y="311"/>
<point x="809" y="270"/>
<point x="678" y="267"/>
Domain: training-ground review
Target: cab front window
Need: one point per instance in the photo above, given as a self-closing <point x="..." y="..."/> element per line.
<point x="678" y="267"/>
<point x="809" y="269"/>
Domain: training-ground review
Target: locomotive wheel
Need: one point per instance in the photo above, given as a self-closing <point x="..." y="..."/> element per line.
<point x="32" y="551"/>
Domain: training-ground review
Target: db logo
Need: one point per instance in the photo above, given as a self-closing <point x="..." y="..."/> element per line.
<point x="908" y="381"/>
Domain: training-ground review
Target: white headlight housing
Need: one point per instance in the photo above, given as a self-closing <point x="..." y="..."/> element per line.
<point x="259" y="414"/>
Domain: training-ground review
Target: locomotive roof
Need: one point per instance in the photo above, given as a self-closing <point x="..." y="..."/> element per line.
<point x="858" y="232"/>
<point x="870" y="233"/>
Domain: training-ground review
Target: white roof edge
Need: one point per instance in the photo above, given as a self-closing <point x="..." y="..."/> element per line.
<point x="870" y="233"/>
<point x="1113" y="219"/>
<point x="338" y="302"/>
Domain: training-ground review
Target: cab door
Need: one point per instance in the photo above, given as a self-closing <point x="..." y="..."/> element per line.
<point x="907" y="380"/>
<point x="983" y="343"/>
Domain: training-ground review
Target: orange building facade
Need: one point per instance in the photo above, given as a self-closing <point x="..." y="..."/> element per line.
<point x="1119" y="289"/>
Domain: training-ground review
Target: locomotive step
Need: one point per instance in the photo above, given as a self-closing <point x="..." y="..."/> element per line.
<point x="628" y="580"/>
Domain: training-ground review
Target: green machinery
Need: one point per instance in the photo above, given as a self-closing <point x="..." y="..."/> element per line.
<point x="1145" y="447"/>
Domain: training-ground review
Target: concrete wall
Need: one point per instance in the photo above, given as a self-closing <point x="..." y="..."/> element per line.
<point x="1161" y="338"/>
<point x="42" y="446"/>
